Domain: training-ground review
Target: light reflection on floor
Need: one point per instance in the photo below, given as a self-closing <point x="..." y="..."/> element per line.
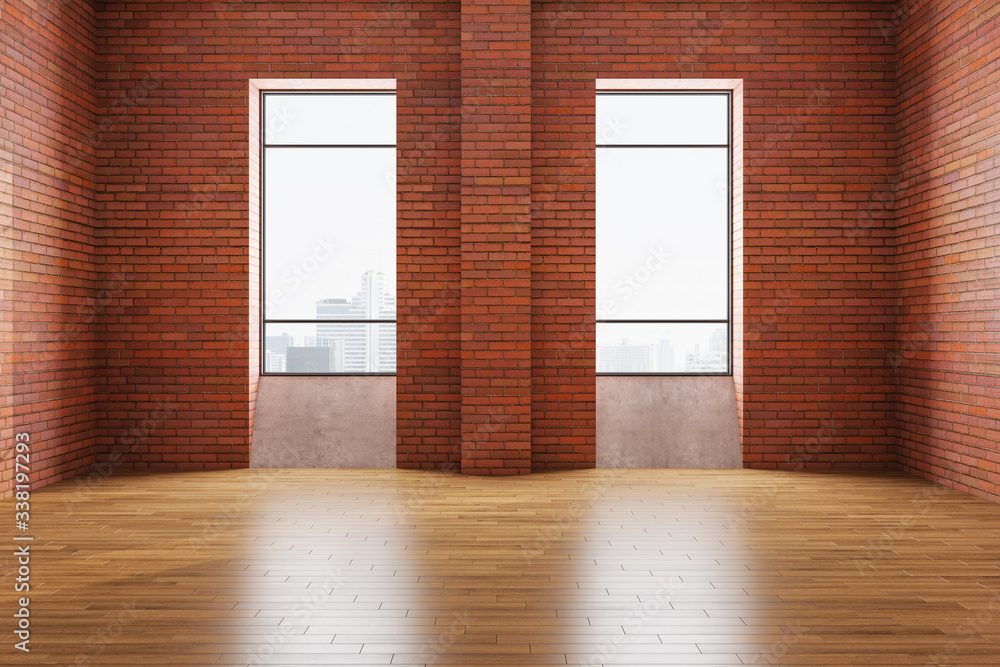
<point x="592" y="567"/>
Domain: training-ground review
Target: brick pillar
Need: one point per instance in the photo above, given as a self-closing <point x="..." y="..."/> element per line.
<point x="496" y="237"/>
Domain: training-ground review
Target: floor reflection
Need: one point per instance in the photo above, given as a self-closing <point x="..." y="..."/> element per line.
<point x="600" y="567"/>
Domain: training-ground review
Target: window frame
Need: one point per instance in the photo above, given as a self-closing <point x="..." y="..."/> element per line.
<point x="320" y="87"/>
<point x="732" y="89"/>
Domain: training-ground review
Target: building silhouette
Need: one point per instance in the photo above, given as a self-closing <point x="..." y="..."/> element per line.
<point x="360" y="347"/>
<point x="337" y="346"/>
<point x="375" y="301"/>
<point x="348" y="337"/>
<point x="660" y="357"/>
<point x="627" y="358"/>
<point x="310" y="359"/>
<point x="666" y="351"/>
<point x="713" y="360"/>
<point x="275" y="352"/>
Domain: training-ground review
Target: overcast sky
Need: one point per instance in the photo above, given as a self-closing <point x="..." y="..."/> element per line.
<point x="329" y="213"/>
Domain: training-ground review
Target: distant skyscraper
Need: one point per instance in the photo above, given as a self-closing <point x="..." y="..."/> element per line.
<point x="376" y="301"/>
<point x="275" y="348"/>
<point x="338" y="350"/>
<point x="718" y="341"/>
<point x="350" y="335"/>
<point x="310" y="360"/>
<point x="366" y="348"/>
<point x="666" y="361"/>
<point x="274" y="363"/>
<point x="701" y="361"/>
<point x="626" y="358"/>
<point x="278" y="344"/>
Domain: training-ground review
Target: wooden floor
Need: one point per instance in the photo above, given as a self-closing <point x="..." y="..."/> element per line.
<point x="668" y="567"/>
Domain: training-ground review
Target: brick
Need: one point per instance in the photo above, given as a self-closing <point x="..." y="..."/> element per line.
<point x="868" y="276"/>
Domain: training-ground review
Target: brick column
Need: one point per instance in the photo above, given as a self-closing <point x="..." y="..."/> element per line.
<point x="496" y="237"/>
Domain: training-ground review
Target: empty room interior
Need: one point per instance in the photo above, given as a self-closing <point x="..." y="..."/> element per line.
<point x="500" y="332"/>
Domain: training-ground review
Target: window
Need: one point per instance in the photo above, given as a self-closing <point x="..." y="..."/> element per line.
<point x="328" y="203"/>
<point x="664" y="231"/>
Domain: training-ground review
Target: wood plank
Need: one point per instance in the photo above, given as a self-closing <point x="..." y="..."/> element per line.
<point x="613" y="567"/>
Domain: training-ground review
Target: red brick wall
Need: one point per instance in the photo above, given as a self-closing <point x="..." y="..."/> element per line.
<point x="819" y="282"/>
<point x="173" y="211"/>
<point x="562" y="253"/>
<point x="948" y="233"/>
<point x="818" y="275"/>
<point x="496" y="236"/>
<point x="429" y="250"/>
<point x="51" y="289"/>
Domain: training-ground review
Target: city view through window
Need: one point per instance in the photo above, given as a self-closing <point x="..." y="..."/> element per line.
<point x="338" y="346"/>
<point x="329" y="232"/>
<point x="705" y="350"/>
<point x="663" y="206"/>
<point x="663" y="200"/>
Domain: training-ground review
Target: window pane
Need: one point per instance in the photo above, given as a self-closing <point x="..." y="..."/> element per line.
<point x="329" y="118"/>
<point x="662" y="348"/>
<point x="662" y="233"/>
<point x="662" y="119"/>
<point x="340" y="347"/>
<point x="329" y="231"/>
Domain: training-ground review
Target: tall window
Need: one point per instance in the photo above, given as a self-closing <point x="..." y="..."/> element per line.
<point x="328" y="188"/>
<point x="664" y="221"/>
